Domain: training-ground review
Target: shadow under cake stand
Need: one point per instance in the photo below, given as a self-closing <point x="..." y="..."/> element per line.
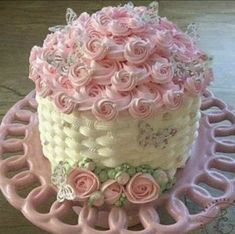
<point x="22" y="165"/>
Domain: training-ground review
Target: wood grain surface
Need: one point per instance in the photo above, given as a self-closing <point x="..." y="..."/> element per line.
<point x="25" y="23"/>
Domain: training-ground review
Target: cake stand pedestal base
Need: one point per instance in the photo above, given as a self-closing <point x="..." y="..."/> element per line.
<point x="22" y="165"/>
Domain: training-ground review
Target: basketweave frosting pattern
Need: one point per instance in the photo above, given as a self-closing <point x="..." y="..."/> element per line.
<point x="111" y="143"/>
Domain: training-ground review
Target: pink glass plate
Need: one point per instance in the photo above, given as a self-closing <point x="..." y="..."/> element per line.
<point x="22" y="165"/>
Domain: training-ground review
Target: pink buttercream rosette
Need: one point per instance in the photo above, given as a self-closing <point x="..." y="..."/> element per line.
<point x="123" y="58"/>
<point x="141" y="188"/>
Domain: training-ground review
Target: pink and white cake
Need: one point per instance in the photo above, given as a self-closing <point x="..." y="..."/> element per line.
<point x="118" y="95"/>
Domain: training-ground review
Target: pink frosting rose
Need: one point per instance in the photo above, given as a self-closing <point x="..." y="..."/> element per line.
<point x="48" y="71"/>
<point x="65" y="103"/>
<point x="142" y="188"/>
<point x="122" y="99"/>
<point x="33" y="74"/>
<point x="84" y="183"/>
<point x="116" y="51"/>
<point x="118" y="28"/>
<point x="96" y="48"/>
<point x="100" y="21"/>
<point x="93" y="33"/>
<point x="183" y="39"/>
<point x="141" y="71"/>
<point x="105" y="109"/>
<point x="162" y="71"/>
<point x="51" y="40"/>
<point x="112" y="191"/>
<point x="183" y="48"/>
<point x="164" y="39"/>
<point x="103" y="71"/>
<point x="88" y="95"/>
<point x="42" y="87"/>
<point x="79" y="75"/>
<point x="94" y="90"/>
<point x="64" y="82"/>
<point x="136" y="26"/>
<point x="36" y="52"/>
<point x="141" y="108"/>
<point x="82" y="21"/>
<point x="194" y="85"/>
<point x="185" y="56"/>
<point x="120" y="40"/>
<point x="123" y="81"/>
<point x="164" y="23"/>
<point x="137" y="50"/>
<point x="173" y="99"/>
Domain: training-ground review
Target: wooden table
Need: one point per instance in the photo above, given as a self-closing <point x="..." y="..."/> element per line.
<point x="24" y="24"/>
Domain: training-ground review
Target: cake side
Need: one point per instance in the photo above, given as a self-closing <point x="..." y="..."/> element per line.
<point x="163" y="140"/>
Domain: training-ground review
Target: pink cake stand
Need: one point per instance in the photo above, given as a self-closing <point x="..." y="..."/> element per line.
<point x="22" y="165"/>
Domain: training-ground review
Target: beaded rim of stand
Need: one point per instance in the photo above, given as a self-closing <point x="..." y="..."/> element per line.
<point x="22" y="165"/>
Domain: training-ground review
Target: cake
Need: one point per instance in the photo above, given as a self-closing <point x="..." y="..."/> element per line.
<point x="119" y="95"/>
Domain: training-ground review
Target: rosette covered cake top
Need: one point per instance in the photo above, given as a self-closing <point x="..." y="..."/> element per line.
<point x="122" y="58"/>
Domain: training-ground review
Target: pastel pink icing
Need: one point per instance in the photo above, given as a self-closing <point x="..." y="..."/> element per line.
<point x="142" y="188"/>
<point x="112" y="191"/>
<point x="121" y="58"/>
<point x="83" y="182"/>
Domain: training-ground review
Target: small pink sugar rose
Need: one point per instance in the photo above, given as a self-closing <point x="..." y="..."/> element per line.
<point x="96" y="48"/>
<point x="65" y="103"/>
<point x="118" y="28"/>
<point x="112" y="191"/>
<point x="137" y="50"/>
<point x="84" y="183"/>
<point x="162" y="71"/>
<point x="141" y="108"/>
<point x="64" y="82"/>
<point x="100" y="22"/>
<point x="79" y="75"/>
<point x="105" y="109"/>
<point x="164" y="39"/>
<point x="142" y="188"/>
<point x="35" y="53"/>
<point x="166" y="24"/>
<point x="173" y="99"/>
<point x="194" y="85"/>
<point x="123" y="80"/>
<point x="42" y="87"/>
<point x="48" y="71"/>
